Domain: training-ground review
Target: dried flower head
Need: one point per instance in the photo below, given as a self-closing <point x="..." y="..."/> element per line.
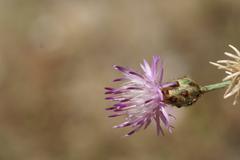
<point x="232" y="69"/>
<point x="140" y="97"/>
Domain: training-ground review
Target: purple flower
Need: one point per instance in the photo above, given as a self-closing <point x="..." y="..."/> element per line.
<point x="140" y="97"/>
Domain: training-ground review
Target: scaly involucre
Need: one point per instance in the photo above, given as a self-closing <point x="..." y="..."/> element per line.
<point x="140" y="97"/>
<point x="232" y="69"/>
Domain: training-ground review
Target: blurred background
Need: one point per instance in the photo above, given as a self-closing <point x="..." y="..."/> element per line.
<point x="56" y="58"/>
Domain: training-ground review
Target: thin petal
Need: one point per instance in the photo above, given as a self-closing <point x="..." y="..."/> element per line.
<point x="147" y="69"/>
<point x="231" y="76"/>
<point x="235" y="89"/>
<point x="154" y="66"/>
<point x="159" y="128"/>
<point x="166" y="85"/>
<point x="227" y="61"/>
<point x="232" y="55"/>
<point x="121" y="69"/>
<point x="164" y="116"/>
<point x="235" y="49"/>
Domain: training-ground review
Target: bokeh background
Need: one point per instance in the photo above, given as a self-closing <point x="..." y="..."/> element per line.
<point x="56" y="57"/>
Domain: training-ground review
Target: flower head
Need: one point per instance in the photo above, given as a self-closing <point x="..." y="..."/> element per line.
<point x="140" y="97"/>
<point x="232" y="69"/>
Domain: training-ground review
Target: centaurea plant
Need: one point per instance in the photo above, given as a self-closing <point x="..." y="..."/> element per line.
<point x="144" y="97"/>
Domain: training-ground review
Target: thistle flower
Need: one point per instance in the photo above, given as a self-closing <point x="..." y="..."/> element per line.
<point x="232" y="69"/>
<point x="143" y="97"/>
<point x="140" y="97"/>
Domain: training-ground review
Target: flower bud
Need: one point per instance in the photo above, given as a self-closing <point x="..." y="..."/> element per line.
<point x="185" y="93"/>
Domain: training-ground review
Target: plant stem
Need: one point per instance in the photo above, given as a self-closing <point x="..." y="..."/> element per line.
<point x="215" y="86"/>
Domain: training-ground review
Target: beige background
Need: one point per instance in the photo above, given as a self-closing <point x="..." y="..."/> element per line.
<point x="56" y="57"/>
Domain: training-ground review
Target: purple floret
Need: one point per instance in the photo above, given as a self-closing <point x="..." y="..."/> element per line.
<point x="140" y="97"/>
